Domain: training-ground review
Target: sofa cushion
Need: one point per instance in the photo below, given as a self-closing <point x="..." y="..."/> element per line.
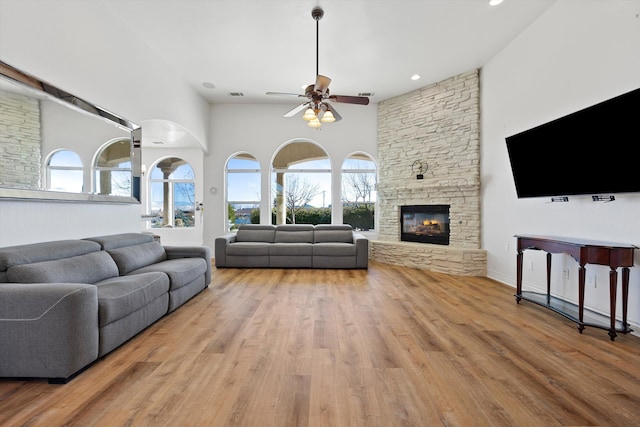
<point x="324" y="233"/>
<point x="248" y="249"/>
<point x="88" y="268"/>
<point x="129" y="258"/>
<point x="181" y="271"/>
<point x="256" y="233"/>
<point x="291" y="249"/>
<point x="294" y="233"/>
<point x="114" y="241"/>
<point x="45" y="251"/>
<point x="334" y="249"/>
<point x="120" y="296"/>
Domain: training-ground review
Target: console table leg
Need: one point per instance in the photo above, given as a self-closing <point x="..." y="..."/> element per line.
<point x="548" y="276"/>
<point x="581" y="280"/>
<point x="613" y="282"/>
<point x="625" y="297"/>
<point x="519" y="276"/>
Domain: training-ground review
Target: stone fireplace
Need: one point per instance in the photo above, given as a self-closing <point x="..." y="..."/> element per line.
<point x="437" y="125"/>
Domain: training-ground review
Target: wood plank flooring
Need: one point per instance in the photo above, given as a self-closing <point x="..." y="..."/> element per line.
<point x="385" y="347"/>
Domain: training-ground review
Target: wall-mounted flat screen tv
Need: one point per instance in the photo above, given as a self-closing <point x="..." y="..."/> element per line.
<point x="593" y="151"/>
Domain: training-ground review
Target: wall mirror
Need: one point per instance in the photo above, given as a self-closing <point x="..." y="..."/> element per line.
<point x="57" y="146"/>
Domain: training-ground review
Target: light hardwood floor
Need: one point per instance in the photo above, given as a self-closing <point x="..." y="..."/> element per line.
<point x="385" y="347"/>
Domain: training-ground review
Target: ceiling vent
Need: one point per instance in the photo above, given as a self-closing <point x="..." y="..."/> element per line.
<point x="366" y="94"/>
<point x="235" y="94"/>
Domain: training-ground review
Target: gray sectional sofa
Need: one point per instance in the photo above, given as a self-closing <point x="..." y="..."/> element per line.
<point x="64" y="304"/>
<point x="292" y="246"/>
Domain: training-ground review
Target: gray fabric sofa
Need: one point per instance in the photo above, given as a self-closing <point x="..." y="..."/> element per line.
<point x="64" y="304"/>
<point x="292" y="246"/>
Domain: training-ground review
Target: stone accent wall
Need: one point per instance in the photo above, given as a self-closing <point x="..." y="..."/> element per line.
<point x="19" y="142"/>
<point x="440" y="125"/>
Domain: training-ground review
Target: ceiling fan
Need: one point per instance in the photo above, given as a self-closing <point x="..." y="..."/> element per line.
<point x="318" y="110"/>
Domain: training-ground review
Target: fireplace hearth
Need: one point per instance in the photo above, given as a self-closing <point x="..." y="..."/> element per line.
<point x="425" y="224"/>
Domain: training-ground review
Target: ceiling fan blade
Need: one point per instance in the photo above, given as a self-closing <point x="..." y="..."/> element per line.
<point x="296" y="110"/>
<point x="361" y="100"/>
<point x="285" y="94"/>
<point x="322" y="83"/>
<point x="337" y="116"/>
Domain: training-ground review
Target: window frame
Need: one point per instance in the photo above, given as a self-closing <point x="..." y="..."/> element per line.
<point x="346" y="170"/>
<point x="229" y="225"/>
<point x="49" y="168"/>
<point x="97" y="169"/>
<point x="172" y="191"/>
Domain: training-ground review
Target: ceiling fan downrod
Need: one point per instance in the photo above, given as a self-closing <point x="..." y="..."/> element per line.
<point x="317" y="13"/>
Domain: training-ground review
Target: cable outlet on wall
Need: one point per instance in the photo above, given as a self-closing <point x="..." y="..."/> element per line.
<point x="565" y="274"/>
<point x="591" y="280"/>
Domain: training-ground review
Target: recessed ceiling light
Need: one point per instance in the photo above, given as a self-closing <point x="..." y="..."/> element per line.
<point x="495" y="2"/>
<point x="208" y="85"/>
<point x="415" y="77"/>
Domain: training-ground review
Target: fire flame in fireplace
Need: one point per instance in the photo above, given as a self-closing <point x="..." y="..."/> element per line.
<point x="429" y="227"/>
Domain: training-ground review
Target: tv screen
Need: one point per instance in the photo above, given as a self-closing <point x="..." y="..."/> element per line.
<point x="592" y="151"/>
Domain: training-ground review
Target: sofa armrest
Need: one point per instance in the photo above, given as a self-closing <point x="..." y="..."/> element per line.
<point x="203" y="252"/>
<point x="362" y="250"/>
<point x="220" y="248"/>
<point x="47" y="330"/>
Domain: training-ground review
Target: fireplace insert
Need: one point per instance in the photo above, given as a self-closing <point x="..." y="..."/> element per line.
<point x="425" y="224"/>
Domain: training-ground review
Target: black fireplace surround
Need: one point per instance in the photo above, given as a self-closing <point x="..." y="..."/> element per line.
<point x="425" y="224"/>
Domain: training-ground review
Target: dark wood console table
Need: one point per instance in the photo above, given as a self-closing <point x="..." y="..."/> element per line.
<point x="614" y="255"/>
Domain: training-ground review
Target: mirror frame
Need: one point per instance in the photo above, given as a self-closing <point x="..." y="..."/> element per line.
<point x="48" y="91"/>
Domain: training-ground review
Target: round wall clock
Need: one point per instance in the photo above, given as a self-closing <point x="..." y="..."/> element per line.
<point x="419" y="167"/>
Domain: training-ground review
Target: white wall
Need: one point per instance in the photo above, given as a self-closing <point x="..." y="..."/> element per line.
<point x="23" y="222"/>
<point x="261" y="130"/>
<point x="577" y="54"/>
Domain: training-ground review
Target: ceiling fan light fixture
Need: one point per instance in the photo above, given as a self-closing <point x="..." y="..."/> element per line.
<point x="314" y="123"/>
<point x="310" y="115"/>
<point x="328" y="117"/>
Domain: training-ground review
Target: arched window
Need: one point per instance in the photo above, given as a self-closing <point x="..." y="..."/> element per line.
<point x="172" y="194"/>
<point x="359" y="183"/>
<point x="113" y="169"/>
<point x="301" y="182"/>
<point x="64" y="172"/>
<point x="243" y="190"/>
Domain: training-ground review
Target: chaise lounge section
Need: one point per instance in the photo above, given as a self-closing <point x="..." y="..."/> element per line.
<point x="292" y="246"/>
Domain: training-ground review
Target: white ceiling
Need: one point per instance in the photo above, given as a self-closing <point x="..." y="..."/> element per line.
<point x="256" y="46"/>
